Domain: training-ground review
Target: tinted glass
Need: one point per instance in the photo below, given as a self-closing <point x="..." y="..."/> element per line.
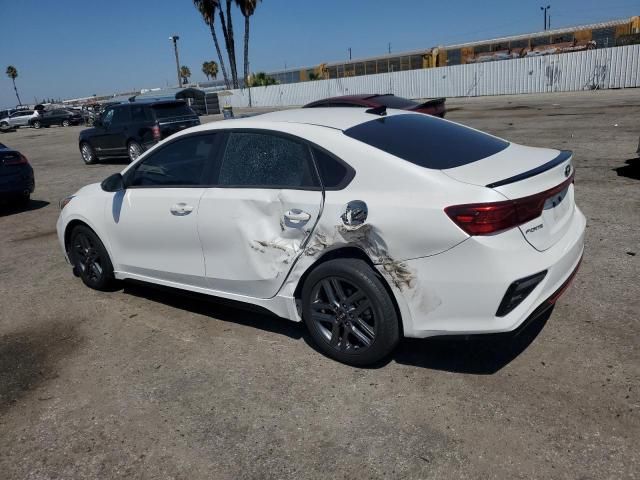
<point x="167" y="110"/>
<point x="427" y="141"/>
<point x="139" y="113"/>
<point x="107" y="116"/>
<point x="266" y="160"/>
<point x="332" y="171"/>
<point x="120" y="116"/>
<point x="391" y="101"/>
<point x="181" y="163"/>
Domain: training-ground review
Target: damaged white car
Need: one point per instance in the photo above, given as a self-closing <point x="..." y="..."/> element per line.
<point x="368" y="225"/>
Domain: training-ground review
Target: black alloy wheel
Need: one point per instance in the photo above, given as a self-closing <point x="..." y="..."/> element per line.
<point x="349" y="312"/>
<point x="90" y="259"/>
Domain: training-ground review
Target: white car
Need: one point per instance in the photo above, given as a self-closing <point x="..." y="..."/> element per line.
<point x="19" y="118"/>
<point x="368" y="225"/>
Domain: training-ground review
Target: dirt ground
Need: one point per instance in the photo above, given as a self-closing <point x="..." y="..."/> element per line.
<point x="150" y="383"/>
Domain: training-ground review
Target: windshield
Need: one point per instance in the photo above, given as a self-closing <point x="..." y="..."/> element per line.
<point x="427" y="141"/>
<point x="168" y="110"/>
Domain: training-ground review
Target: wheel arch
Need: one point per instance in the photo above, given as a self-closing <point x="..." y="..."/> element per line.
<point x="76" y="222"/>
<point x="351" y="252"/>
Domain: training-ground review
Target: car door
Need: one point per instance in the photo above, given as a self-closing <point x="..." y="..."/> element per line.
<point x="153" y="224"/>
<point x="257" y="219"/>
<point x="115" y="135"/>
<point x="21" y="118"/>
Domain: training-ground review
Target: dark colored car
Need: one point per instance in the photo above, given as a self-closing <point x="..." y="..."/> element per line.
<point x="128" y="129"/>
<point x="435" y="107"/>
<point x="16" y="175"/>
<point x="59" y="116"/>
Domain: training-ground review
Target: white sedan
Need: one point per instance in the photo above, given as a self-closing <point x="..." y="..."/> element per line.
<point x="368" y="225"/>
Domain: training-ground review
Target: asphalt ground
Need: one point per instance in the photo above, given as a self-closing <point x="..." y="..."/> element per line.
<point x="153" y="383"/>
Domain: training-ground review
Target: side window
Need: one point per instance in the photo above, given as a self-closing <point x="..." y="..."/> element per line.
<point x="139" y="113"/>
<point x="107" y="116"/>
<point x="332" y="172"/>
<point x="180" y="163"/>
<point x="266" y="160"/>
<point x="120" y="116"/>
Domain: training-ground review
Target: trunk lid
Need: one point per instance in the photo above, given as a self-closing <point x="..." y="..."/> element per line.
<point x="518" y="172"/>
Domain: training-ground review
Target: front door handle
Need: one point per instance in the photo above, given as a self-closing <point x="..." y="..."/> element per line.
<point x="297" y="216"/>
<point x="181" y="209"/>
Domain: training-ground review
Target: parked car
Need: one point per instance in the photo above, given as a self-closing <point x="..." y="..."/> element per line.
<point x="128" y="129"/>
<point x="435" y="107"/>
<point x="365" y="226"/>
<point x="19" y="118"/>
<point x="58" y="116"/>
<point x="16" y="176"/>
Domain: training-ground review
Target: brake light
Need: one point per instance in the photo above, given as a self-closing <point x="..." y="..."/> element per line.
<point x="489" y="218"/>
<point x="18" y="159"/>
<point x="155" y="130"/>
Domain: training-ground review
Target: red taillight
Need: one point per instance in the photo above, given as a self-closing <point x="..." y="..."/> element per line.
<point x="488" y="218"/>
<point x="17" y="159"/>
<point x="156" y="132"/>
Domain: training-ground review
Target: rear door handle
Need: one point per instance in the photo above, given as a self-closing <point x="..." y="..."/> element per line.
<point x="297" y="216"/>
<point x="181" y="209"/>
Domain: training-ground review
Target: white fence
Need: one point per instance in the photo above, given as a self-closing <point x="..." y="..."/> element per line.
<point x="617" y="67"/>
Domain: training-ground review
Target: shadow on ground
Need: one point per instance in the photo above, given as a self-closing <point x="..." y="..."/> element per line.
<point x="480" y="355"/>
<point x="29" y="358"/>
<point x="631" y="169"/>
<point x="7" y="207"/>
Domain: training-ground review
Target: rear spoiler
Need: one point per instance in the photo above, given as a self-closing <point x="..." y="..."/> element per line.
<point x="564" y="156"/>
<point x="433" y="102"/>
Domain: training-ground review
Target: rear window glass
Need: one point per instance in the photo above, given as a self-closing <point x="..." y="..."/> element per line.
<point x="167" y="110"/>
<point x="427" y="141"/>
<point x="391" y="101"/>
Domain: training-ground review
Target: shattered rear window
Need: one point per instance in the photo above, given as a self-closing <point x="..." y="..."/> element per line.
<point x="427" y="141"/>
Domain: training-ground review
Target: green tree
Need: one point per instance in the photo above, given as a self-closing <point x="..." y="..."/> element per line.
<point x="261" y="79"/>
<point x="12" y="73"/>
<point x="207" y="9"/>
<point x="248" y="8"/>
<point x="185" y="73"/>
<point x="227" y="31"/>
<point x="210" y="69"/>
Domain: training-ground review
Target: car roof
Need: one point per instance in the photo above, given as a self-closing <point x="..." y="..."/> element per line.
<point x="340" y="118"/>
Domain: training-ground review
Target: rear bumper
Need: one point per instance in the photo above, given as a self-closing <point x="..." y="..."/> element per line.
<point x="18" y="183"/>
<point x="458" y="292"/>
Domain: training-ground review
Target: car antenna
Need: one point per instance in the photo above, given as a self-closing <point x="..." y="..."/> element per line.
<point x="381" y="110"/>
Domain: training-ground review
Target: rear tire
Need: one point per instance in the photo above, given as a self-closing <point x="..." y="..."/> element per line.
<point x="134" y="150"/>
<point x="90" y="259"/>
<point x="87" y="153"/>
<point x="349" y="312"/>
<point x="66" y="123"/>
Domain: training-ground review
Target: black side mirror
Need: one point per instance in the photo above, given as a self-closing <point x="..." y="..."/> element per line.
<point x="113" y="183"/>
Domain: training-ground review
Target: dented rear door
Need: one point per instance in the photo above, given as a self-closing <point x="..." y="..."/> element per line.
<point x="255" y="223"/>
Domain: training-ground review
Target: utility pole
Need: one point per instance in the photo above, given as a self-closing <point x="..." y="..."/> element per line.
<point x="248" y="84"/>
<point x="349" y="49"/>
<point x="544" y="9"/>
<point x="389" y="47"/>
<point x="175" y="39"/>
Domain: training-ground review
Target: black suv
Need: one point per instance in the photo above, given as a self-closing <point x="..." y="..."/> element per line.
<point x="59" y="116"/>
<point x="128" y="129"/>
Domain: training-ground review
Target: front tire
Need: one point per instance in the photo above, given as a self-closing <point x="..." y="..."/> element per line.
<point x="134" y="150"/>
<point x="349" y="312"/>
<point x="87" y="153"/>
<point x="66" y="123"/>
<point x="90" y="259"/>
<point x="36" y="124"/>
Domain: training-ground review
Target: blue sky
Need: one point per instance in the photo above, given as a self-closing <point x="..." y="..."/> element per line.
<point x="72" y="48"/>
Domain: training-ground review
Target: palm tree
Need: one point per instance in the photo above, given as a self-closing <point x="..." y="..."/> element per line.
<point x="247" y="7"/>
<point x="227" y="31"/>
<point x="210" y="69"/>
<point x="185" y="73"/>
<point x="12" y="73"/>
<point x="207" y="9"/>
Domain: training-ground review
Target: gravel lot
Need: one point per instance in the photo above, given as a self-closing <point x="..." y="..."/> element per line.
<point x="151" y="383"/>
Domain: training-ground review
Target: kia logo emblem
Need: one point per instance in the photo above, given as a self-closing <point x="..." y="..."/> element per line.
<point x="567" y="170"/>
